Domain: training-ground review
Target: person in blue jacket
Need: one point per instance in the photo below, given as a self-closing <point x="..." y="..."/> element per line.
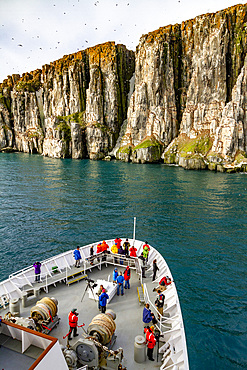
<point x="114" y="275"/>
<point x="77" y="257"/>
<point x="148" y="316"/>
<point x="120" y="281"/>
<point x="102" y="300"/>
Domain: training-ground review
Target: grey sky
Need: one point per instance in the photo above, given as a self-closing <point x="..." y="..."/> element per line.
<point x="37" y="32"/>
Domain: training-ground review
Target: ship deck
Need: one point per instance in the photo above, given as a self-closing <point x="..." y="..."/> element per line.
<point x="61" y="280"/>
<point x="127" y="308"/>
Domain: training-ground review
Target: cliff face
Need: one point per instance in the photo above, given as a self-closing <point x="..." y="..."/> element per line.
<point x="185" y="104"/>
<point x="74" y="107"/>
<point x="189" y="101"/>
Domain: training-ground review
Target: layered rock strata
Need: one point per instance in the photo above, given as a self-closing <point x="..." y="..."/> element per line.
<point x="189" y="102"/>
<point x="73" y="107"/>
<point x="185" y="104"/>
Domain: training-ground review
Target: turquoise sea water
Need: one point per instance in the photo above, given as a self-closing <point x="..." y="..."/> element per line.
<point x="197" y="220"/>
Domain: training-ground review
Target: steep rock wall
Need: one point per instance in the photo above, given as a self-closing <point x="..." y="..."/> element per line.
<point x="153" y="111"/>
<point x="74" y="106"/>
<point x="181" y="98"/>
<point x="211" y="134"/>
<point x="185" y="78"/>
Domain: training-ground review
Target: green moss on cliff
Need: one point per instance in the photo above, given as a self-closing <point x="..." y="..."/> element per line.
<point x="125" y="149"/>
<point x="6" y="101"/>
<point x="77" y="117"/>
<point x="33" y="134"/>
<point x="29" y="82"/>
<point x="199" y="145"/>
<point x="148" y="142"/>
<point x="240" y="156"/>
<point x="188" y="148"/>
<point x="170" y="158"/>
<point x="66" y="130"/>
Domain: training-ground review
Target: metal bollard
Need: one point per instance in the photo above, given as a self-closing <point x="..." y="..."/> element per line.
<point x="140" y="349"/>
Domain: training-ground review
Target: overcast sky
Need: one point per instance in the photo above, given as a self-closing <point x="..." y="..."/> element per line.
<point x="37" y="32"/>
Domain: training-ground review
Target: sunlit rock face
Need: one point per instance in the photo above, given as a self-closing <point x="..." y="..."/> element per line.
<point x="73" y="107"/>
<point x="153" y="110"/>
<point x="180" y="98"/>
<point x="189" y="93"/>
<point x="231" y="133"/>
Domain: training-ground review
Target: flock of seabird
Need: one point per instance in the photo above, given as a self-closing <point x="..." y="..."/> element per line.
<point x="21" y="45"/>
<point x="96" y="29"/>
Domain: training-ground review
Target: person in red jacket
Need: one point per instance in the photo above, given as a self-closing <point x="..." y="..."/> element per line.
<point x="133" y="251"/>
<point x="164" y="282"/>
<point x="151" y="341"/>
<point x="73" y="319"/>
<point x="146" y="245"/>
<point x="118" y="242"/>
<point x="127" y="277"/>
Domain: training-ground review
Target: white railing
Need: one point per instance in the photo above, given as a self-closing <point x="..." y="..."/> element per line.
<point x="22" y="280"/>
<point x="171" y="328"/>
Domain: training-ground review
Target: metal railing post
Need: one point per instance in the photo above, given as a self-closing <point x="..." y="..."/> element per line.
<point x="134" y="231"/>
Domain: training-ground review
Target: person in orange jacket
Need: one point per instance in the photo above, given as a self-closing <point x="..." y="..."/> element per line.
<point x="73" y="319"/>
<point x="99" y="248"/>
<point x="151" y="341"/>
<point x="104" y="246"/>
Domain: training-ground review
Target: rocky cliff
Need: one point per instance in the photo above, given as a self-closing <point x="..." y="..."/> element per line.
<point x="185" y="104"/>
<point x="189" y="103"/>
<point x="73" y="107"/>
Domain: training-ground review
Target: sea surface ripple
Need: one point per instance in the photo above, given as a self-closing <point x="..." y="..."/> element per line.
<point x="197" y="220"/>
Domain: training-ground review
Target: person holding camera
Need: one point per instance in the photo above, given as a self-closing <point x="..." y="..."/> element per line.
<point x="159" y="303"/>
<point x="73" y="319"/>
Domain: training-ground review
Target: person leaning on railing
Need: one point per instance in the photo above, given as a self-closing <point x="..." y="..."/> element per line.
<point x="148" y="316"/>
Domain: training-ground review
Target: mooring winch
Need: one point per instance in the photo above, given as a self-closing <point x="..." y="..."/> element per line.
<point x="95" y="348"/>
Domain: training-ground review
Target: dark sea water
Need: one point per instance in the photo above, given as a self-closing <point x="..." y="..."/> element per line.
<point x="197" y="220"/>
